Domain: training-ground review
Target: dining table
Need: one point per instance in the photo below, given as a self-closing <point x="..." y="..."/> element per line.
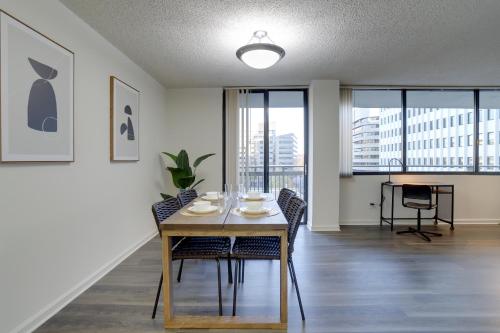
<point x="226" y="221"/>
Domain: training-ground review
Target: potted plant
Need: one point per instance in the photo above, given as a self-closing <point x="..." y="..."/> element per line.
<point x="183" y="175"/>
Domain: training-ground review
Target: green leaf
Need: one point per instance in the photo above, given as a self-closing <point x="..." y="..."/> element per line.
<point x="199" y="181"/>
<point x="185" y="182"/>
<point x="178" y="174"/>
<point x="172" y="156"/>
<point x="183" y="160"/>
<point x="201" y="159"/>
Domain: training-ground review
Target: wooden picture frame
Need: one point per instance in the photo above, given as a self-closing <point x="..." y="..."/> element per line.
<point x="37" y="95"/>
<point x="124" y="121"/>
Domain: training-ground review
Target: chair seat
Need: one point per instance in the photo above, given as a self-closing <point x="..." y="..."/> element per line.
<point x="256" y="248"/>
<point x="202" y="248"/>
<point x="417" y="205"/>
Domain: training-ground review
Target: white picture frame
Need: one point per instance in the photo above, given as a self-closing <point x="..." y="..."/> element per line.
<point x="36" y="90"/>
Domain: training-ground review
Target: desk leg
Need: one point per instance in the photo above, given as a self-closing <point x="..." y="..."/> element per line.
<point x="392" y="209"/>
<point x="381" y="202"/>
<point x="283" y="279"/>
<point x="168" y="312"/>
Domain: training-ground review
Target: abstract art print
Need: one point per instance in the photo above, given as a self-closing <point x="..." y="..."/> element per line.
<point x="124" y="121"/>
<point x="36" y="82"/>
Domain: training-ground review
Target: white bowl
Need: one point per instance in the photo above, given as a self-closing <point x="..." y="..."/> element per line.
<point x="254" y="205"/>
<point x="201" y="203"/>
<point x="212" y="195"/>
<point x="253" y="195"/>
<point x="203" y="209"/>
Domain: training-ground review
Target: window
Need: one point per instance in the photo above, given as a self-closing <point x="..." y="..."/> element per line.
<point x="489" y="150"/>
<point x="445" y="107"/>
<point x="445" y="129"/>
<point x="369" y="108"/>
<point x="491" y="138"/>
<point x="490" y="115"/>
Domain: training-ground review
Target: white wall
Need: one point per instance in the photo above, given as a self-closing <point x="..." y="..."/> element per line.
<point x="62" y="224"/>
<point x="476" y="198"/>
<point x="323" y="192"/>
<point x="195" y="124"/>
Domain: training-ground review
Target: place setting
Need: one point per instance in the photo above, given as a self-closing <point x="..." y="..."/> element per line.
<point x="210" y="204"/>
<point x="255" y="196"/>
<point x="254" y="207"/>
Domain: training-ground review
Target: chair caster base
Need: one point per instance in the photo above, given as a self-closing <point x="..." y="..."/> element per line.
<point x="422" y="234"/>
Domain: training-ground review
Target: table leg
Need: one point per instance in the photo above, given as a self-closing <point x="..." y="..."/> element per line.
<point x="283" y="279"/>
<point x="168" y="312"/>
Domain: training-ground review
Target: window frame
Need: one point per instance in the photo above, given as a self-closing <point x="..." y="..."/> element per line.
<point x="476" y="170"/>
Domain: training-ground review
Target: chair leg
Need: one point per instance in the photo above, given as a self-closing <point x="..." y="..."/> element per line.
<point x="243" y="271"/>
<point x="180" y="271"/>
<point x="229" y="269"/>
<point x="297" y="289"/>
<point x="235" y="284"/>
<point x="291" y="273"/>
<point x="157" y="296"/>
<point x="219" y="286"/>
<point x="239" y="270"/>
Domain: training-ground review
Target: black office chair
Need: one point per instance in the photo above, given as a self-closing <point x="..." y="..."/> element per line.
<point x="423" y="194"/>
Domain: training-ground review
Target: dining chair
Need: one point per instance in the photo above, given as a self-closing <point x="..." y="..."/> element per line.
<point x="213" y="248"/>
<point x="269" y="247"/>
<point x="423" y="195"/>
<point x="284" y="197"/>
<point x="186" y="197"/>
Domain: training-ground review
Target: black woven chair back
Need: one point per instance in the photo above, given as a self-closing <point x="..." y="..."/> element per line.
<point x="164" y="209"/>
<point x="187" y="196"/>
<point x="293" y="214"/>
<point x="284" y="197"/>
<point x="417" y="192"/>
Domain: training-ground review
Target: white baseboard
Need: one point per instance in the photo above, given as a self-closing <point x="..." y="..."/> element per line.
<point x="35" y="321"/>
<point x="457" y="221"/>
<point x="322" y="228"/>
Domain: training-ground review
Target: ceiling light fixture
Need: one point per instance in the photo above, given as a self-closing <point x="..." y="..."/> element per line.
<point x="259" y="54"/>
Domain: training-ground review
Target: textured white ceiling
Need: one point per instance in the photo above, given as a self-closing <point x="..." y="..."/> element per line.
<point x="192" y="43"/>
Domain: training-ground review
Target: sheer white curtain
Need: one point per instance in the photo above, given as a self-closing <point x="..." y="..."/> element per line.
<point x="345" y="132"/>
<point x="237" y="137"/>
<point x="232" y="137"/>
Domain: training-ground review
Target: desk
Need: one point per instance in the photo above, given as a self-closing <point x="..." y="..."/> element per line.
<point x="444" y="199"/>
<point x="224" y="224"/>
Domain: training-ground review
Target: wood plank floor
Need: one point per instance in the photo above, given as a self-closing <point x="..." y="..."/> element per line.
<point x="363" y="279"/>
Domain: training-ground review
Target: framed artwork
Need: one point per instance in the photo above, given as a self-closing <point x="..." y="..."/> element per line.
<point x="36" y="89"/>
<point x="124" y="122"/>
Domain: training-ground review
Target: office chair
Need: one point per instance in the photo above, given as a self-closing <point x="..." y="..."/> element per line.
<point x="423" y="195"/>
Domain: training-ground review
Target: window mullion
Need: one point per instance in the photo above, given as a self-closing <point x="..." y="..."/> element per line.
<point x="403" y="110"/>
<point x="476" y="131"/>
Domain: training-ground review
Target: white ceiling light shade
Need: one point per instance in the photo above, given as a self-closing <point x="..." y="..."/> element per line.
<point x="260" y="55"/>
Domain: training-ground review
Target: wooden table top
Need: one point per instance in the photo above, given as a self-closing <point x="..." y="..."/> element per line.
<point x="226" y="220"/>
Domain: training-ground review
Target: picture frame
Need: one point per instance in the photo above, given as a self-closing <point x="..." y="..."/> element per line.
<point x="124" y="121"/>
<point x="37" y="95"/>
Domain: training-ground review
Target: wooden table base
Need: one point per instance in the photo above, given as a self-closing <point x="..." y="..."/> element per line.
<point x="224" y="322"/>
<point x="185" y="321"/>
